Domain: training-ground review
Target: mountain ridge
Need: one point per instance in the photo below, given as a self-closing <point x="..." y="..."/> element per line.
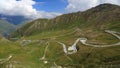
<point x="6" y="28"/>
<point x="100" y="17"/>
<point x="14" y="19"/>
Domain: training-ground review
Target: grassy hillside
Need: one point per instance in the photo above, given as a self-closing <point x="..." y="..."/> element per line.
<point x="35" y="36"/>
<point x="105" y="16"/>
<point x="28" y="54"/>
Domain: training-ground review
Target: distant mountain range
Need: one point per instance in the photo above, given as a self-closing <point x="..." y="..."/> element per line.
<point x="14" y="19"/>
<point x="10" y="23"/>
<point x="6" y="28"/>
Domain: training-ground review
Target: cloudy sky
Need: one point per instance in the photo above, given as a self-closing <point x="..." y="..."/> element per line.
<point x="47" y="8"/>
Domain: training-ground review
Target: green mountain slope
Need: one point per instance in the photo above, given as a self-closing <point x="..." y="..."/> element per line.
<point x="105" y="16"/>
<point x="41" y="37"/>
<point x="6" y="28"/>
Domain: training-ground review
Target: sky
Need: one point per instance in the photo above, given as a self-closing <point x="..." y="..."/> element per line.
<point x="48" y="8"/>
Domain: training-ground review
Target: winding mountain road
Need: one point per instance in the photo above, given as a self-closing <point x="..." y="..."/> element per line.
<point x="84" y="40"/>
<point x="72" y="49"/>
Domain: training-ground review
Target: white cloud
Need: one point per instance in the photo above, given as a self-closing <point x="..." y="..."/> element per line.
<point x="43" y="14"/>
<point x="24" y="8"/>
<point x="13" y="7"/>
<point x="82" y="5"/>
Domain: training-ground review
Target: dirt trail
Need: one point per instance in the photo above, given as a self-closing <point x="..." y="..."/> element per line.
<point x="5" y="60"/>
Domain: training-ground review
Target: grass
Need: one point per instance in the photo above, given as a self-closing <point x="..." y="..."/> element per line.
<point x="28" y="56"/>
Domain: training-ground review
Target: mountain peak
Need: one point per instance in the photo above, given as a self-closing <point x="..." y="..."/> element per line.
<point x="103" y="8"/>
<point x="106" y="6"/>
